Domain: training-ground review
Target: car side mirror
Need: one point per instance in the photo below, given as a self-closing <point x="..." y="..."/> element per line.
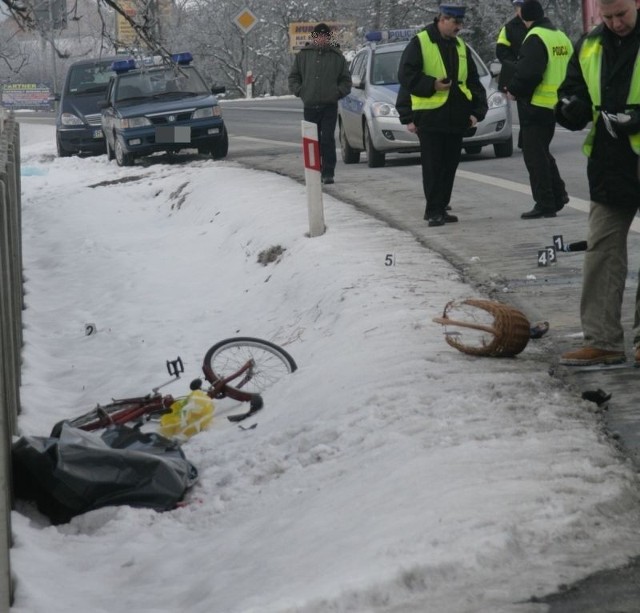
<point x="103" y="104"/>
<point x="357" y="82"/>
<point x="494" y="68"/>
<point x="218" y="89"/>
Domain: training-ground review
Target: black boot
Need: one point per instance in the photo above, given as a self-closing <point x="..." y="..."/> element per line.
<point x="436" y="221"/>
<point x="536" y="213"/>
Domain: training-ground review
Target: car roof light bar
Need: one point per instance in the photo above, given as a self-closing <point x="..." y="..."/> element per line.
<point x="182" y="59"/>
<point x="121" y="66"/>
<point x="389" y="36"/>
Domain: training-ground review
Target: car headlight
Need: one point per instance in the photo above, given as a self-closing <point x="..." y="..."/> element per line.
<point x="210" y="111"/>
<point x="69" y="119"/>
<point x="132" y="122"/>
<point x="497" y="99"/>
<point x="384" y="109"/>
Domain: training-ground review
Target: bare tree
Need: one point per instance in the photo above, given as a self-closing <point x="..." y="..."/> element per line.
<point x="26" y="14"/>
<point x="225" y="53"/>
<point x="564" y="14"/>
<point x="13" y="56"/>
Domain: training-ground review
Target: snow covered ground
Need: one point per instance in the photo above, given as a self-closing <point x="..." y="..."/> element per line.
<point x="390" y="473"/>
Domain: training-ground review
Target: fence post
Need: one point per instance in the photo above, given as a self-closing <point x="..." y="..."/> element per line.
<point x="312" y="178"/>
<point x="5" y="508"/>
<point x="11" y="303"/>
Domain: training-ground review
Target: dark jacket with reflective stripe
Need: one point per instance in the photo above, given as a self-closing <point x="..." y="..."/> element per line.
<point x="515" y="32"/>
<point x="453" y="116"/>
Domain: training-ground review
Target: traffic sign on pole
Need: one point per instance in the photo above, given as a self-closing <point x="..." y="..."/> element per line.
<point x="245" y="20"/>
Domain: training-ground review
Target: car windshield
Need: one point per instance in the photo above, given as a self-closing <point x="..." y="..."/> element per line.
<point x="89" y="79"/>
<point x="161" y="82"/>
<point x="384" y="67"/>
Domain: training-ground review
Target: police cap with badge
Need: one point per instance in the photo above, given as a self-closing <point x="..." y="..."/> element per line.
<point x="453" y="10"/>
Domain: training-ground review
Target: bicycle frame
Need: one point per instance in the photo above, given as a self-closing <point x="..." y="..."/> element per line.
<point x="133" y="409"/>
<point x="140" y="407"/>
<point x="257" y="364"/>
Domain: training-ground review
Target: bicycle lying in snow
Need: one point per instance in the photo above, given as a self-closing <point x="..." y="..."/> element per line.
<point x="237" y="368"/>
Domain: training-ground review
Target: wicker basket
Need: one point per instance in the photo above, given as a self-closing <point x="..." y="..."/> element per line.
<point x="510" y="330"/>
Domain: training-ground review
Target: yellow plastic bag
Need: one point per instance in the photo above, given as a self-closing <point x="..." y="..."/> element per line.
<point x="188" y="416"/>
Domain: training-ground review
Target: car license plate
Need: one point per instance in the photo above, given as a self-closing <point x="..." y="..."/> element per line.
<point x="97" y="134"/>
<point x="173" y="134"/>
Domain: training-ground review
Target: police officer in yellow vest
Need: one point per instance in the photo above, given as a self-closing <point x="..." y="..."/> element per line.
<point x="603" y="87"/>
<point x="447" y="100"/>
<point x="510" y="39"/>
<point x="541" y="68"/>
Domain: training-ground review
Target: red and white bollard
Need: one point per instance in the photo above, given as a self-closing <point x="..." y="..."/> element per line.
<point x="249" y="81"/>
<point x="312" y="178"/>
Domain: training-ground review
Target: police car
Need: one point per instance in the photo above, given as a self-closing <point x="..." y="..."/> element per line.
<point x="368" y="120"/>
<point x="154" y="106"/>
<point x="78" y="122"/>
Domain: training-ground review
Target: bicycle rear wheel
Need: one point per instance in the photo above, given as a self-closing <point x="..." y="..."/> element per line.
<point x="268" y="363"/>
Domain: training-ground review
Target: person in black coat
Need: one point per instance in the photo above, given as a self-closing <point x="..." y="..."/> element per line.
<point x="510" y="40"/>
<point x="443" y="105"/>
<point x="612" y="103"/>
<point x="539" y="72"/>
<point x="403" y="106"/>
<point x="320" y="77"/>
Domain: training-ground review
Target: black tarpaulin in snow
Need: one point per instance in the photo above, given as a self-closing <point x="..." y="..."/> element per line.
<point x="81" y="471"/>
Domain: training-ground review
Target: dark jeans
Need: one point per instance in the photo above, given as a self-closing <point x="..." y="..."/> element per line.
<point x="325" y="117"/>
<point x="547" y="187"/>
<point x="439" y="155"/>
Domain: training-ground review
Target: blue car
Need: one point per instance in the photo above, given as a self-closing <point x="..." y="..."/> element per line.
<point x="166" y="107"/>
<point x="78" y="123"/>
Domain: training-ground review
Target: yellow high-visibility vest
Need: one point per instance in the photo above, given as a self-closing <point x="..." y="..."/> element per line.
<point x="559" y="51"/>
<point x="433" y="65"/>
<point x="502" y="37"/>
<point x="591" y="65"/>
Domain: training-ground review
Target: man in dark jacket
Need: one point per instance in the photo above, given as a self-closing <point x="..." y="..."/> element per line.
<point x="403" y="106"/>
<point x="541" y="68"/>
<point x="603" y="87"/>
<point x="320" y="76"/>
<point x="510" y="40"/>
<point x="447" y="99"/>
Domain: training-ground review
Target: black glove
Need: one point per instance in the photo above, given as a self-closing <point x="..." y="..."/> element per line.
<point x="626" y="123"/>
<point x="573" y="113"/>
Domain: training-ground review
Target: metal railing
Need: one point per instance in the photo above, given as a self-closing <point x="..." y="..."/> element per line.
<point x="11" y="304"/>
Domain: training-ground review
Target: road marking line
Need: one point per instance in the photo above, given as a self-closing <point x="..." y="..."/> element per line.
<point x="574" y="203"/>
<point x="266" y="140"/>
